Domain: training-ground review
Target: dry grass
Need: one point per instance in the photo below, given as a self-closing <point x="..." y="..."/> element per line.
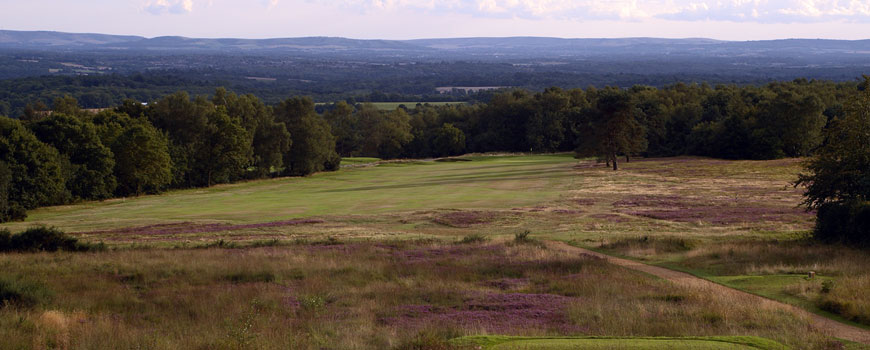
<point x="841" y="285"/>
<point x="848" y="297"/>
<point x="359" y="296"/>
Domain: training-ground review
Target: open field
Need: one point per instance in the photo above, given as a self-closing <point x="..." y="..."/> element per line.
<point x="554" y="196"/>
<point x="369" y="257"/>
<point x="389" y="106"/>
<point x="496" y="183"/>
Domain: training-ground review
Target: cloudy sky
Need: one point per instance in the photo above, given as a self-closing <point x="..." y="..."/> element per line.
<point x="406" y="19"/>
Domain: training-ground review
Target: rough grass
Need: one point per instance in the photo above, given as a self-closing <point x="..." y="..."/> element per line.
<point x="361" y="296"/>
<point x="636" y="343"/>
<point x="774" y="269"/>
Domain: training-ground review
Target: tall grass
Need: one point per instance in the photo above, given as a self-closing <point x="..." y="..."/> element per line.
<point x="840" y="288"/>
<point x="384" y="295"/>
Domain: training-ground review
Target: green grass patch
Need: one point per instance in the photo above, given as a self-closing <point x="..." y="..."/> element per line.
<point x="358" y="160"/>
<point x="627" y="343"/>
<point x="17" y="291"/>
<point x="488" y="182"/>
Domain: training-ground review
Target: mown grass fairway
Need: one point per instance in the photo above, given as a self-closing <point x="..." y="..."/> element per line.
<point x="486" y="183"/>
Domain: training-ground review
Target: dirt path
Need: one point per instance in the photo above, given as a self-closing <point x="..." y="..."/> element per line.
<point x="829" y="326"/>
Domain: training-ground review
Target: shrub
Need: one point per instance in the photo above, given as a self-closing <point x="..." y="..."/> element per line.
<point x="473" y="238"/>
<point x="312" y="303"/>
<point x="18" y="292"/>
<point x="250" y="277"/>
<point x="523" y="237"/>
<point x="42" y="238"/>
<point x="847" y="223"/>
<point x="5" y="240"/>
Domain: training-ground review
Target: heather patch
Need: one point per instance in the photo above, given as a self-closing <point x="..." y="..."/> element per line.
<point x="508" y="283"/>
<point x="715" y="211"/>
<point x="510" y="313"/>
<point x="465" y="218"/>
<point x="724" y="215"/>
<point x="426" y="254"/>
<point x="651" y="201"/>
<point x="568" y="211"/>
<point x="583" y="202"/>
<point x="610" y="217"/>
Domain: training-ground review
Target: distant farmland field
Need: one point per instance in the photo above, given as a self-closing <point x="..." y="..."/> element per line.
<point x="389" y="106"/>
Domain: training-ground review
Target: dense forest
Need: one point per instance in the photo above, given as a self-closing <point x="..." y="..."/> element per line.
<point x="70" y="154"/>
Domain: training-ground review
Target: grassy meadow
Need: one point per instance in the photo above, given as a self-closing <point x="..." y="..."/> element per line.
<point x="440" y="255"/>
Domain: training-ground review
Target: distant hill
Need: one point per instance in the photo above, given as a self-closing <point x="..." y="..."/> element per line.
<point x="42" y="39"/>
<point x="480" y="48"/>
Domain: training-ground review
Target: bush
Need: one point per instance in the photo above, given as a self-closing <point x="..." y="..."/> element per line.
<point x="5" y="240"/>
<point x="523" y="237"/>
<point x="250" y="277"/>
<point x="847" y="223"/>
<point x="18" y="292"/>
<point x="42" y="238"/>
<point x="473" y="238"/>
<point x="333" y="162"/>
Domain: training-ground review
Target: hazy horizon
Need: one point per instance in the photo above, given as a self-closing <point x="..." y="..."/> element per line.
<point x="417" y="19"/>
<point x="416" y="38"/>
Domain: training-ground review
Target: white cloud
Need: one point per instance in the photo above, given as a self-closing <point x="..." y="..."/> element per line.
<point x="761" y="11"/>
<point x="159" y="7"/>
<point x="541" y="9"/>
<point x="829" y="8"/>
<point x="777" y="11"/>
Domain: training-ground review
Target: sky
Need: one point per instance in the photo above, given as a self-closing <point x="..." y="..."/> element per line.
<point x="411" y="19"/>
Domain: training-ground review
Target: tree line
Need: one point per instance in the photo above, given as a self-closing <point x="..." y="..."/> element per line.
<point x="68" y="155"/>
<point x="179" y="141"/>
<point x="783" y="119"/>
